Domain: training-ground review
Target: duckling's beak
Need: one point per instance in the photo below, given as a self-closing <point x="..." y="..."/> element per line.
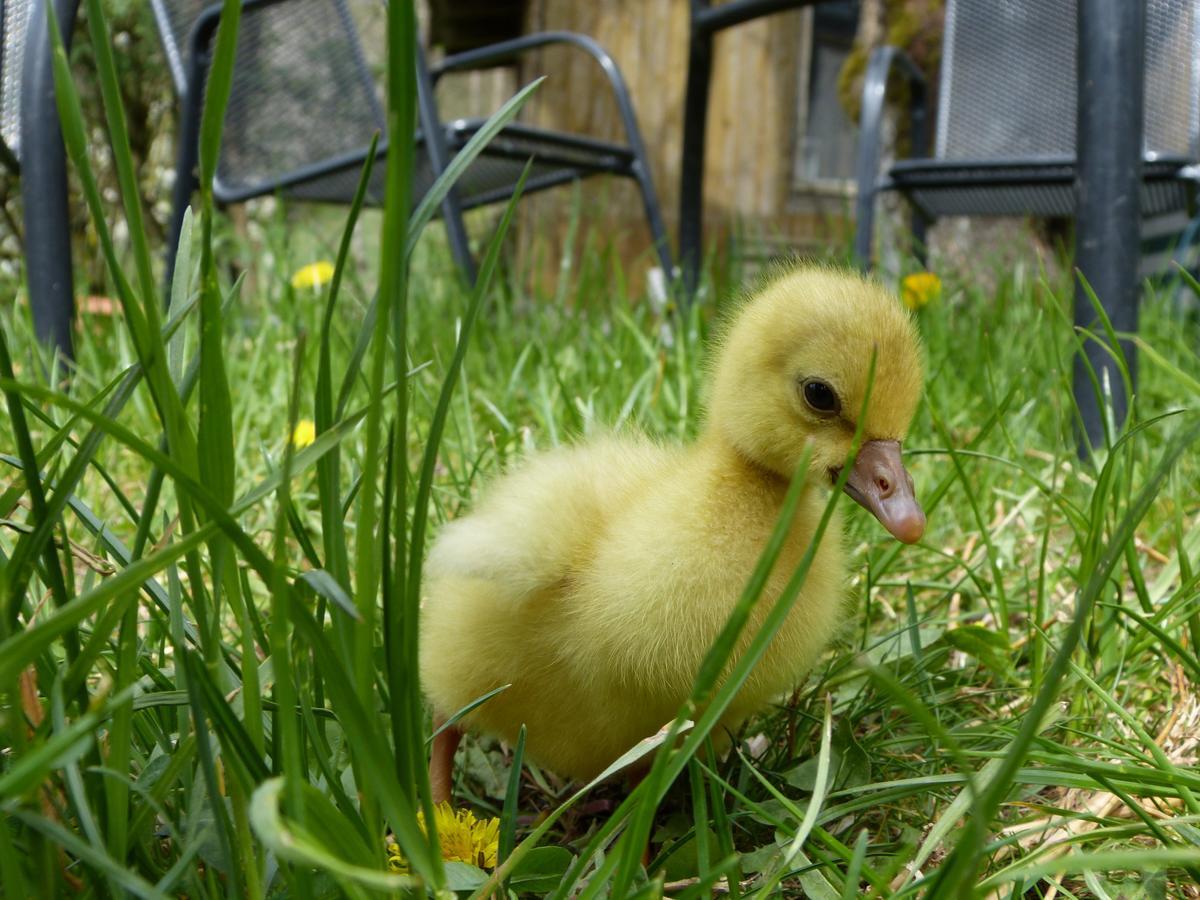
<point x="880" y="483"/>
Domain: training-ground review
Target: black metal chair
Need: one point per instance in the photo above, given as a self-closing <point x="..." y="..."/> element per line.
<point x="1080" y="108"/>
<point x="301" y="116"/>
<point x="1004" y="141"/>
<point x="304" y="106"/>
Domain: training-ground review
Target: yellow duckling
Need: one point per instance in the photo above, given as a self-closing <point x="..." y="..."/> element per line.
<point x="594" y="578"/>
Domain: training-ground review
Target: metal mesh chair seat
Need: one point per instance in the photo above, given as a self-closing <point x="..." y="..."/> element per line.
<point x="333" y="184"/>
<point x="1024" y="188"/>
<point x="489" y="179"/>
<point x="557" y="158"/>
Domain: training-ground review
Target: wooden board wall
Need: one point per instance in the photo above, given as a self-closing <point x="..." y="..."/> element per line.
<point x="753" y="112"/>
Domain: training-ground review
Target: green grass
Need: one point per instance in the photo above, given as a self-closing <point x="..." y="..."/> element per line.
<point x="207" y="637"/>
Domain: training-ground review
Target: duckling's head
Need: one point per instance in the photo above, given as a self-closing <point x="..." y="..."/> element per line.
<point x="793" y="369"/>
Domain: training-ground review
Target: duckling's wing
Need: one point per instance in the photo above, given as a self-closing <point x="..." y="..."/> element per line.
<point x="538" y="526"/>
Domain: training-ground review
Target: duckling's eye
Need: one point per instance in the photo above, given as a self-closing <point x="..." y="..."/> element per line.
<point x="820" y="397"/>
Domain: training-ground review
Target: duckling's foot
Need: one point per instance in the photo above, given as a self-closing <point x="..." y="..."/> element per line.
<point x="441" y="760"/>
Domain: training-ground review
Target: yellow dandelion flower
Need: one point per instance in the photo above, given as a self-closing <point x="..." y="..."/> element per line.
<point x="920" y="289"/>
<point x="304" y="433"/>
<point x="465" y="838"/>
<point x="313" y="276"/>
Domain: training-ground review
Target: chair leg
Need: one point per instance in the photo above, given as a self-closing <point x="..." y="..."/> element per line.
<point x="456" y="231"/>
<point x="691" y="179"/>
<point x="1107" y="226"/>
<point x="870" y="131"/>
<point x="48" y="251"/>
<point x="438" y="151"/>
<point x="186" y="159"/>
<point x="44" y="185"/>
<point x="658" y="231"/>
<point x="864" y="228"/>
<point x="920" y="235"/>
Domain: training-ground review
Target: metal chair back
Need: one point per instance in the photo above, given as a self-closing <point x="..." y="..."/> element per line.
<point x="302" y="94"/>
<point x="1008" y="80"/>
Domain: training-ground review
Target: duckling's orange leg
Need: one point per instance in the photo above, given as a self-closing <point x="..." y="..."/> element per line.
<point x="441" y="760"/>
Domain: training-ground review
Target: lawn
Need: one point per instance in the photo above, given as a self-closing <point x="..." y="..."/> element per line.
<point x="207" y="654"/>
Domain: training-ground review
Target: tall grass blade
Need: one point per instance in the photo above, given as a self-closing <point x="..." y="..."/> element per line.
<point x="118" y="131"/>
<point x="421" y="217"/>
<point x="14" y="575"/>
<point x="235" y="740"/>
<point x="967" y="854"/>
<point x="401" y="123"/>
<point x="215" y="435"/>
<point x="634" y="754"/>
<point x="402" y="630"/>
<point x="94" y="858"/>
<point x="512" y="795"/>
<point x="337" y="559"/>
<point x="179" y="299"/>
<point x="370" y="747"/>
<point x="146" y="345"/>
<point x="295" y="844"/>
<point x="462" y="161"/>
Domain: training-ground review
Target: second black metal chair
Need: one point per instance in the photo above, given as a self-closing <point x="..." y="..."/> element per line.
<point x="1005" y="134"/>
